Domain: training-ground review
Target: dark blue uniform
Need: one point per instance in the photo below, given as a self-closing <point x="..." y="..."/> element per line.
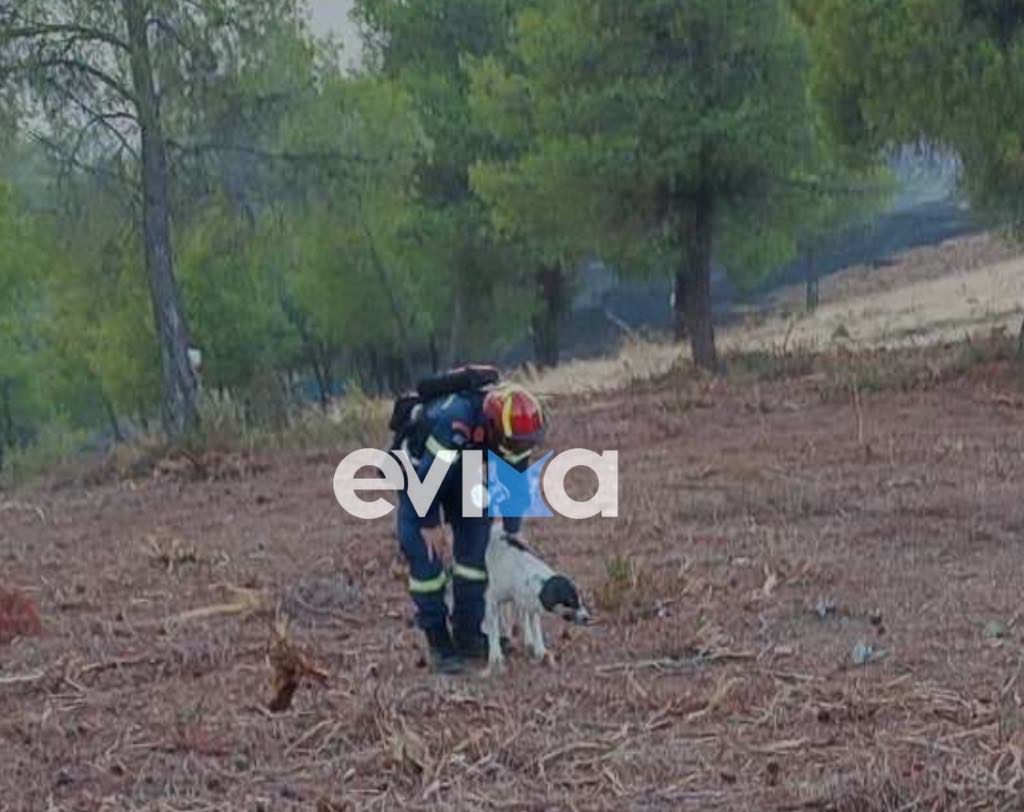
<point x="449" y="426"/>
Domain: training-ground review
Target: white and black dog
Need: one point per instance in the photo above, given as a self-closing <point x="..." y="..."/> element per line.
<point x="519" y="580"/>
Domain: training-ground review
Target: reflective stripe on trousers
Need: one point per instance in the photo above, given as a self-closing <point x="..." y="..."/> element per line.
<point x="428" y="587"/>
<point x="469" y="573"/>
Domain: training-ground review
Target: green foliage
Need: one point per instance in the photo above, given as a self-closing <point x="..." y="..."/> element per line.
<point x="348" y="264"/>
<point x="54" y="446"/>
<point x="22" y="257"/>
<point x="102" y="326"/>
<point x="653" y="133"/>
<point x="360" y="228"/>
<point x="949" y="73"/>
<point x="232" y="293"/>
<point x="423" y="47"/>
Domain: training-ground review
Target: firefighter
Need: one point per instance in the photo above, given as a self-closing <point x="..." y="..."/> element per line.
<point x="506" y="420"/>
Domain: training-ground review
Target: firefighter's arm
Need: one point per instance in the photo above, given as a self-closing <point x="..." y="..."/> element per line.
<point x="430" y="527"/>
<point x="451" y="431"/>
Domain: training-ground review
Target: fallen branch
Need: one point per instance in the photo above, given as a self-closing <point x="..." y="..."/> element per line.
<point x="717" y="699"/>
<point x="774" y="748"/>
<point x="112" y="665"/>
<point x="672" y="664"/>
<point x="23" y="679"/>
<point x="573" y="748"/>
<point x="23" y="506"/>
<point x="246" y="601"/>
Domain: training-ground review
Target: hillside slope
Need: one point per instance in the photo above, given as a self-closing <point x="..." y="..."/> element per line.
<point x="809" y="601"/>
<point x="945" y="292"/>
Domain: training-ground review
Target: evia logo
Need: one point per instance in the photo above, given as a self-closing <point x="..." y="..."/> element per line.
<point x="497" y="487"/>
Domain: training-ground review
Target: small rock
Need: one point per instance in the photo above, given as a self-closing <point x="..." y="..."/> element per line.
<point x="863" y="654"/>
<point x="241" y="764"/>
<point x="996" y="630"/>
<point x="288" y="792"/>
<point x="64" y="778"/>
<point x="321" y="596"/>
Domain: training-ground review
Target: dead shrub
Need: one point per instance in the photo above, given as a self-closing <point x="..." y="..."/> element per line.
<point x="623" y="586"/>
<point x="771" y="365"/>
<point x="18" y="616"/>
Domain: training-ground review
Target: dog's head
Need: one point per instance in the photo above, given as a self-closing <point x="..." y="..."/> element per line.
<point x="559" y="595"/>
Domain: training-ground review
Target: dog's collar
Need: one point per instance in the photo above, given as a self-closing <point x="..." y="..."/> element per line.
<point x="518" y="544"/>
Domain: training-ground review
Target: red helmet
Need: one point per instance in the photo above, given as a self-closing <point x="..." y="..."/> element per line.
<point x="515" y="422"/>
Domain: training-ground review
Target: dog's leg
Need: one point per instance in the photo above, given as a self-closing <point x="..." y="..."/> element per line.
<point x="539" y="649"/>
<point x="508" y="620"/>
<point x="536" y="635"/>
<point x="492" y="628"/>
<point x="526" y="621"/>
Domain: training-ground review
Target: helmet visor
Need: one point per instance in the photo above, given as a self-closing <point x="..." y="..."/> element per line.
<point x="515" y="450"/>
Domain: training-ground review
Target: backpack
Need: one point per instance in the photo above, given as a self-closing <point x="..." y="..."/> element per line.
<point x="408" y="409"/>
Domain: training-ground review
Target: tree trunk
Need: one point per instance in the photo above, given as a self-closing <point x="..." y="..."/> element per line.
<point x="435" y="356"/>
<point x="327" y="368"/>
<point x="180" y="387"/>
<point x="698" y="233"/>
<point x="457" y="325"/>
<point x="811" y="275"/>
<point x="679" y="303"/>
<point x="321" y="384"/>
<point x="5" y="413"/>
<point x="115" y="426"/>
<point x="401" y="325"/>
<point x="376" y="371"/>
<point x="141" y="415"/>
<point x="546" y="322"/>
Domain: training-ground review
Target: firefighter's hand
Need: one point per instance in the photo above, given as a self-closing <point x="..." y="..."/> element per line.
<point x="438" y="543"/>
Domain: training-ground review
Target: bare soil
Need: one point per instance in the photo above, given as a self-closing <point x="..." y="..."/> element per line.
<point x="811" y="600"/>
<point x="931" y="294"/>
<point x="926" y="296"/>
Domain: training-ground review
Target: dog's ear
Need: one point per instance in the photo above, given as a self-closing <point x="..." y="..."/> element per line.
<point x="559" y="591"/>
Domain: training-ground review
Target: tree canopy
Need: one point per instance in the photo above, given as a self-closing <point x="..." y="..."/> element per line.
<point x="651" y="126"/>
<point x="203" y="174"/>
<point x="939" y="74"/>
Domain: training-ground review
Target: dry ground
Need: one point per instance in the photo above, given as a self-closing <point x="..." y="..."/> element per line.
<point x="926" y="295"/>
<point x="811" y="601"/>
<point x="936" y="293"/>
<point x="770" y="524"/>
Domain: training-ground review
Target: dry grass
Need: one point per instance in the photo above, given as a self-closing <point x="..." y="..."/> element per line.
<point x="774" y="522"/>
<point x="928" y="296"/>
<point x="637" y="360"/>
<point x="709" y="681"/>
